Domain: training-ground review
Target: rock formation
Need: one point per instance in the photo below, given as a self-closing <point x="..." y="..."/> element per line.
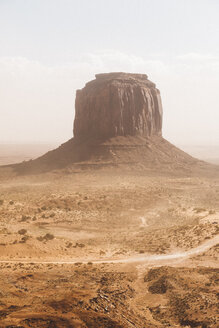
<point x="118" y="104"/>
<point x="118" y="123"/>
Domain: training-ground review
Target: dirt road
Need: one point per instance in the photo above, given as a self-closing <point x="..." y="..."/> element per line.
<point x="150" y="259"/>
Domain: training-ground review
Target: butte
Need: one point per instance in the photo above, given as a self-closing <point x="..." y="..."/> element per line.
<point x="118" y="124"/>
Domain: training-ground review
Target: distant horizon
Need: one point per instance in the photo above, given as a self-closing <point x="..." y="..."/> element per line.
<point x="176" y="43"/>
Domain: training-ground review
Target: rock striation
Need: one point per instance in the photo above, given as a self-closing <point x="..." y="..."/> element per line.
<point x="118" y="104"/>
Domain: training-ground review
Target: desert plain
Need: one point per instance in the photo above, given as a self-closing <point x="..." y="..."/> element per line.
<point x="111" y="247"/>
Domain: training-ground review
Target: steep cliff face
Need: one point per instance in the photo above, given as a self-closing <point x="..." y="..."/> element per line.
<point x="118" y="104"/>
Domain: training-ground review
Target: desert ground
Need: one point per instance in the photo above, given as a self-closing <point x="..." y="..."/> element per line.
<point x="108" y="248"/>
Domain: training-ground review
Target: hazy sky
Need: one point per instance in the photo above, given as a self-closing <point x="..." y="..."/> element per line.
<point x="50" y="48"/>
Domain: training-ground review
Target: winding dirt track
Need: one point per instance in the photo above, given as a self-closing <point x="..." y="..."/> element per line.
<point x="150" y="259"/>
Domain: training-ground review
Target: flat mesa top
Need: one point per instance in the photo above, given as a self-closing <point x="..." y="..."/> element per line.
<point x="121" y="75"/>
<point x="122" y="78"/>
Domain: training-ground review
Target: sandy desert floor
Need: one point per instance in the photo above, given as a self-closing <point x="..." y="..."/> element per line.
<point x="103" y="249"/>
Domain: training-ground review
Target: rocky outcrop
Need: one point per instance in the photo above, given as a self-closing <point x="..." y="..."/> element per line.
<point x="118" y="104"/>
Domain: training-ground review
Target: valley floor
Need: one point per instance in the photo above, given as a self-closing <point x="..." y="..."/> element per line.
<point x="108" y="249"/>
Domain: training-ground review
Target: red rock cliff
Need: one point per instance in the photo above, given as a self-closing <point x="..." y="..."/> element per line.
<point x="118" y="104"/>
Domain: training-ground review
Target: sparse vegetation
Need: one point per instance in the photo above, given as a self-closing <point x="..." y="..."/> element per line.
<point x="22" y="231"/>
<point x="46" y="237"/>
<point x="24" y="218"/>
<point x="24" y="239"/>
<point x="108" y="225"/>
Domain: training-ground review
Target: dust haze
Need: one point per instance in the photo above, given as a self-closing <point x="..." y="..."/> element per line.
<point x="109" y="164"/>
<point x="124" y="227"/>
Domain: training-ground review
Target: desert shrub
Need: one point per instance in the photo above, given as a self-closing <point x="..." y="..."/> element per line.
<point x="24" y="218"/>
<point x="22" y="231"/>
<point x="24" y="239"/>
<point x="79" y="245"/>
<point x="1" y="201"/>
<point x="47" y="237"/>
